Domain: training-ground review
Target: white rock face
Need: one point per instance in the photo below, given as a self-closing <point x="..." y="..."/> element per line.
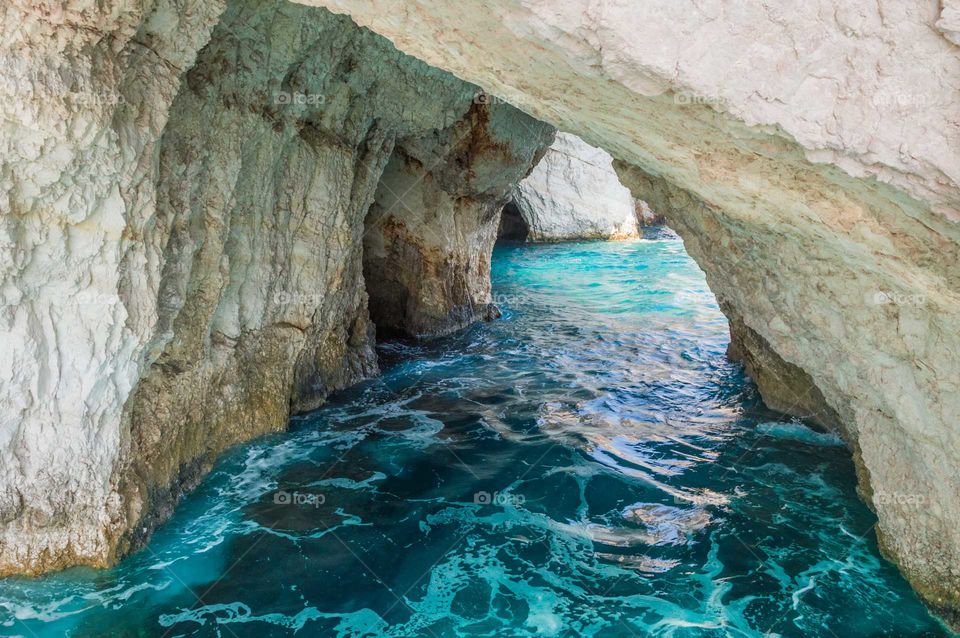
<point x="182" y="242"/>
<point x="949" y="22"/>
<point x="809" y="155"/>
<point x="574" y="193"/>
<point x="85" y="91"/>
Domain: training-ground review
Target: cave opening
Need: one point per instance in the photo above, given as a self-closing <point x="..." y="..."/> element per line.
<point x="513" y="227"/>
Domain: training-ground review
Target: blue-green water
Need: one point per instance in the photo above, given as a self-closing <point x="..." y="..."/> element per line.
<point x="589" y="465"/>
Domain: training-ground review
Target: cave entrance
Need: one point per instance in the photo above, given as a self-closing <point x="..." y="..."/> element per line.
<point x="513" y="227"/>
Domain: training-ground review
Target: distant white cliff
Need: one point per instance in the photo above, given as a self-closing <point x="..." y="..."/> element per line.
<point x="574" y="193"/>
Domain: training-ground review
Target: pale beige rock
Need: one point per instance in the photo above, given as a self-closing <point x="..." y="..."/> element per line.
<point x="574" y="193"/>
<point x="431" y="229"/>
<point x="949" y="22"/>
<point x="811" y="156"/>
<point x="808" y="153"/>
<point x="85" y="90"/>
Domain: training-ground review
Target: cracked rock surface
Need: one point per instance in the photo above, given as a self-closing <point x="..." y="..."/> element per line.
<point x="430" y="232"/>
<point x="86" y="92"/>
<point x="183" y="195"/>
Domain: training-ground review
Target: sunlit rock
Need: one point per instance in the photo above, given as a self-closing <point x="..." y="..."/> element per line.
<point x="813" y="172"/>
<point x="573" y="193"/>
<point x="85" y="93"/>
<point x="165" y="299"/>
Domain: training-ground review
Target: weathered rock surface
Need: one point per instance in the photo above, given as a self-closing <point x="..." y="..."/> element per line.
<point x="85" y="91"/>
<point x="430" y="232"/>
<point x="949" y="22"/>
<point x="166" y="299"/>
<point x="646" y="216"/>
<point x="574" y="193"/>
<point x="809" y="157"/>
<point x="814" y="173"/>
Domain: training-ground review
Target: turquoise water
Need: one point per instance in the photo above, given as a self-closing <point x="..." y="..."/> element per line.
<point x="589" y="465"/>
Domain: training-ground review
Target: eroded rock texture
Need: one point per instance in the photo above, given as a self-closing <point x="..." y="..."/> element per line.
<point x="646" y="216"/>
<point x="574" y="193"/>
<point x="809" y="156"/>
<point x="166" y="299"/>
<point x="85" y="91"/>
<point x="813" y="171"/>
<point x="431" y="229"/>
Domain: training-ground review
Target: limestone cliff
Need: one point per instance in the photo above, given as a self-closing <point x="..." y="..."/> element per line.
<point x="813" y="172"/>
<point x="168" y="296"/>
<point x="574" y="193"/>
<point x="430" y="232"/>
<point x="86" y="92"/>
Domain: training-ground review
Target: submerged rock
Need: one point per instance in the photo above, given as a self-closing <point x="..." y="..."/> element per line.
<point x="573" y="193"/>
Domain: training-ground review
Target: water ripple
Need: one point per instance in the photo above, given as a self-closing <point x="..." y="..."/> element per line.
<point x="589" y="465"/>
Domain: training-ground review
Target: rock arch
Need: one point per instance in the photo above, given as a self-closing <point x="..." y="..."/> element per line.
<point x="811" y="171"/>
<point x="822" y="203"/>
<point x="513" y="227"/>
<point x="187" y="246"/>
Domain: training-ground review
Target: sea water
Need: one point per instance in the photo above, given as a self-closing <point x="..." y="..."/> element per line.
<point x="590" y="464"/>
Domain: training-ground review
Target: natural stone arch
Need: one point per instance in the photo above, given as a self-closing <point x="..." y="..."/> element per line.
<point x="822" y="203"/>
<point x="824" y="214"/>
<point x="513" y="227"/>
<point x="228" y="239"/>
<point x="430" y="230"/>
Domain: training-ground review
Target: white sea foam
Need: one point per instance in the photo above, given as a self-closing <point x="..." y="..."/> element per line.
<point x="798" y="432"/>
